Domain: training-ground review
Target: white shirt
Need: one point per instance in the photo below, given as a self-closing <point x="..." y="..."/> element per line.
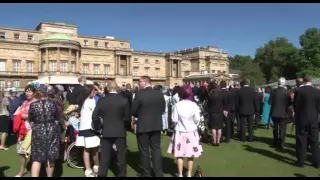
<point x="186" y="115"/>
<point x="86" y="114"/>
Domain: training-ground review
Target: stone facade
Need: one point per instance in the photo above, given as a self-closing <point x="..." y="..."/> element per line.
<point x="57" y="48"/>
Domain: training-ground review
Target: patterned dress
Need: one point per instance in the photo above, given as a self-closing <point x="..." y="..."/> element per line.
<point x="46" y="131"/>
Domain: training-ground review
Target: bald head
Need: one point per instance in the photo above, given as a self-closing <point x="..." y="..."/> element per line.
<point x="112" y="86"/>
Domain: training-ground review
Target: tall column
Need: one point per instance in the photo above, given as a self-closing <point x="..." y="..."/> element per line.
<point x="58" y="59"/>
<point x="77" y="63"/>
<point x="179" y="68"/>
<point x="69" y="60"/>
<point x="128" y="66"/>
<point x="170" y="67"/>
<point x="40" y="62"/>
<point x="118" y="64"/>
<point x="172" y="75"/>
<point x="47" y="59"/>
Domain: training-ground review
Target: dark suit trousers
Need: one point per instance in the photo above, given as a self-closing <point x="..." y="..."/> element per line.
<point x="303" y="135"/>
<point x="249" y="120"/>
<point x="105" y="159"/>
<point x="230" y="125"/>
<point x="145" y="142"/>
<point x="279" y="131"/>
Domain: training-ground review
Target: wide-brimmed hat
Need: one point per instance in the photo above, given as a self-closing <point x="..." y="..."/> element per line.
<point x="71" y="108"/>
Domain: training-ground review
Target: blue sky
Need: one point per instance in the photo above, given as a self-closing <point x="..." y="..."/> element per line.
<point x="237" y="28"/>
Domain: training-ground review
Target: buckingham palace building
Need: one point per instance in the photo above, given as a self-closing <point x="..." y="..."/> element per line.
<point x="55" y="51"/>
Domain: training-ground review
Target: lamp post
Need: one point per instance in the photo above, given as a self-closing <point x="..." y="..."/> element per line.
<point x="49" y="77"/>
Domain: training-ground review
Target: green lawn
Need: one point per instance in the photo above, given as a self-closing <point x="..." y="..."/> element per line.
<point x="235" y="159"/>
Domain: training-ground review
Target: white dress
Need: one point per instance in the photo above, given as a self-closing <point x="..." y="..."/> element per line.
<point x="165" y="123"/>
<point x="87" y="137"/>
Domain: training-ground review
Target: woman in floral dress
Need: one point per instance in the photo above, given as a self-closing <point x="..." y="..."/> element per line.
<point x="185" y="142"/>
<point x="44" y="119"/>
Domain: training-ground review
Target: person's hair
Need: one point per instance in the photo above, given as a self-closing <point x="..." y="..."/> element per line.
<point x="230" y="88"/>
<point x="30" y="87"/>
<point x="213" y="88"/>
<point x="184" y="92"/>
<point x="84" y="94"/>
<point x="223" y="84"/>
<point x="157" y="87"/>
<point x="267" y="89"/>
<point x="81" y="79"/>
<point x="307" y="79"/>
<point x="106" y="90"/>
<point x="136" y="89"/>
<point x="112" y="86"/>
<point x="146" y="79"/>
<point x="175" y="90"/>
<point x="299" y="81"/>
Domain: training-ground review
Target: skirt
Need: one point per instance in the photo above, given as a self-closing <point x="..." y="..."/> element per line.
<point x="24" y="146"/>
<point x="88" y="139"/>
<point x="165" y="123"/>
<point x="185" y="145"/>
<point x="5" y="124"/>
<point x="216" y="120"/>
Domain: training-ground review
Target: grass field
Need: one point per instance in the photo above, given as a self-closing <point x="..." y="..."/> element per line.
<point x="236" y="159"/>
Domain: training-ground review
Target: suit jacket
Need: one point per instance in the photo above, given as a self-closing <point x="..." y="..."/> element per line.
<point x="225" y="99"/>
<point x="128" y="95"/>
<point x="280" y="100"/>
<point x="306" y="105"/>
<point x="233" y="99"/>
<point x="247" y="101"/>
<point x="148" y="106"/>
<point x="115" y="112"/>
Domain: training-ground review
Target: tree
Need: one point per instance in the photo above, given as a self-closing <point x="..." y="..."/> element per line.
<point x="278" y="58"/>
<point x="310" y="52"/>
<point x="248" y="68"/>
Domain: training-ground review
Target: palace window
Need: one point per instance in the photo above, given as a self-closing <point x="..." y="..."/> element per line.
<point x="85" y="68"/>
<point x="157" y="61"/>
<point x="96" y="68"/>
<point x="135" y="71"/>
<point x="16" y="83"/>
<point x="136" y="60"/>
<point x="16" y="65"/>
<point x="16" y="36"/>
<point x="30" y="37"/>
<point x="213" y="71"/>
<point x="53" y="66"/>
<point x="221" y="65"/>
<point x="86" y="42"/>
<point x="106" y="44"/>
<point x="96" y="43"/>
<point x="64" y="66"/>
<point x="121" y="44"/>
<point x="157" y="71"/>
<point x="106" y="69"/>
<point x="146" y="69"/>
<point x="2" y="35"/>
<point x="30" y="67"/>
<point x="146" y="61"/>
<point x="122" y="69"/>
<point x="73" y="67"/>
<point x="2" y="65"/>
<point x="2" y="84"/>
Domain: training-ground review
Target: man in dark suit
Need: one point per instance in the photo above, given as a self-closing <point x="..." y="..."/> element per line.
<point x="115" y="112"/>
<point x="307" y="105"/>
<point x="148" y="107"/>
<point x="248" y="106"/>
<point x="233" y="114"/>
<point x="280" y="101"/>
<point x="226" y="105"/>
<point x="77" y="91"/>
<point x="126" y="93"/>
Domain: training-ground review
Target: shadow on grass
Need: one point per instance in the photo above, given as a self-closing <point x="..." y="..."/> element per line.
<point x="269" y="154"/>
<point x="3" y="169"/>
<point x="299" y="175"/>
<point x="168" y="164"/>
<point x="11" y="140"/>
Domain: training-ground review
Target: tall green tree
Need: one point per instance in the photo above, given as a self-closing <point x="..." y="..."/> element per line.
<point x="249" y="69"/>
<point x="310" y="52"/>
<point x="278" y="58"/>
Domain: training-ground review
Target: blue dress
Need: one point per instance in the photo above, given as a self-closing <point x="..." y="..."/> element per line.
<point x="266" y="110"/>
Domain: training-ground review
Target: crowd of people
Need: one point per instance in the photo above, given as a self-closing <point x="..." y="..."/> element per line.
<point x="101" y="118"/>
